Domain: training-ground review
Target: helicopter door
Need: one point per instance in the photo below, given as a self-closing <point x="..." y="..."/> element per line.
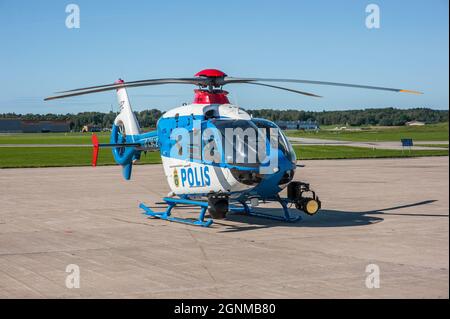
<point x="213" y="153"/>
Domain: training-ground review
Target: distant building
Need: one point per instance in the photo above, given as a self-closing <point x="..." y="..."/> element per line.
<point x="10" y="126"/>
<point x="298" y="125"/>
<point x="45" y="126"/>
<point x="32" y="126"/>
<point x="415" y="123"/>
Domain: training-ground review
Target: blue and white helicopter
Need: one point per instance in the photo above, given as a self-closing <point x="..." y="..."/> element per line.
<point x="215" y="155"/>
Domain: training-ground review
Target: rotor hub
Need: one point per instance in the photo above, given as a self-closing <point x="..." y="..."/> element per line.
<point x="211" y="97"/>
<point x="214" y="79"/>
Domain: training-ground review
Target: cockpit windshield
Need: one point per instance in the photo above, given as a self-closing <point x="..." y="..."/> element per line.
<point x="246" y="143"/>
<point x="240" y="142"/>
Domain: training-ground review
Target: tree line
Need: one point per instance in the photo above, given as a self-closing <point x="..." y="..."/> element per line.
<point x="149" y="118"/>
<point x="146" y="118"/>
<point x="383" y="117"/>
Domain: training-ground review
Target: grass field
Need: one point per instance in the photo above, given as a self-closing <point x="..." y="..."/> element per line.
<point x="60" y="156"/>
<point x="433" y="132"/>
<point x="432" y="145"/>
<point x="52" y="138"/>
<point x="341" y="152"/>
<point x="81" y="156"/>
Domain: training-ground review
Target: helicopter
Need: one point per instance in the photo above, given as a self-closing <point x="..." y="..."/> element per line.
<point x="215" y="155"/>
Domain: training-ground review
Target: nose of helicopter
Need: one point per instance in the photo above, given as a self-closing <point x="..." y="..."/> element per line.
<point x="273" y="183"/>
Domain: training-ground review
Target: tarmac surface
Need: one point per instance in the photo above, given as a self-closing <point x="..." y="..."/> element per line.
<point x="391" y="213"/>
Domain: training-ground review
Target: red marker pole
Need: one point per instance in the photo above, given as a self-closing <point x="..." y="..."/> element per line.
<point x="95" y="153"/>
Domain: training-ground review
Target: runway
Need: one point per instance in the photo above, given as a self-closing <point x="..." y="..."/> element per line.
<point x="391" y="213"/>
<point x="386" y="145"/>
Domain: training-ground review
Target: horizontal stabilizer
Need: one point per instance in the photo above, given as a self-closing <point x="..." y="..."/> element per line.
<point x="97" y="146"/>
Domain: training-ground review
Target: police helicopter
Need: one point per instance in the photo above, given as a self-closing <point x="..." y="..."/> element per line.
<point x="215" y="155"/>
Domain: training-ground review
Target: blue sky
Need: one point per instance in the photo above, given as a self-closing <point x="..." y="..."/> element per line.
<point x="318" y="40"/>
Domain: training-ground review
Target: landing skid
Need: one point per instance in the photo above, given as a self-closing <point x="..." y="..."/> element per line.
<point x="286" y="218"/>
<point x="246" y="209"/>
<point x="172" y="202"/>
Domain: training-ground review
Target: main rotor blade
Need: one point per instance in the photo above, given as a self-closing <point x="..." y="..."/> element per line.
<point x="282" y="88"/>
<point x="215" y="82"/>
<point x="103" y="88"/>
<point x="229" y="80"/>
<point x="197" y="81"/>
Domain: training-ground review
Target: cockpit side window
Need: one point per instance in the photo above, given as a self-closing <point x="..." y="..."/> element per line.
<point x="195" y="145"/>
<point x="283" y="142"/>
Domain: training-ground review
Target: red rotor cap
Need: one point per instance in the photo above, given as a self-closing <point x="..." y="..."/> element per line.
<point x="211" y="73"/>
<point x="205" y="97"/>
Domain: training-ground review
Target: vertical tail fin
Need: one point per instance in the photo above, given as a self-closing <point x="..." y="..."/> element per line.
<point x="125" y="130"/>
<point x="125" y="135"/>
<point x="126" y="115"/>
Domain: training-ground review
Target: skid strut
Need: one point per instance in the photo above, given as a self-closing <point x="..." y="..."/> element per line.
<point x="172" y="202"/>
<point x="286" y="218"/>
<point x="245" y="208"/>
